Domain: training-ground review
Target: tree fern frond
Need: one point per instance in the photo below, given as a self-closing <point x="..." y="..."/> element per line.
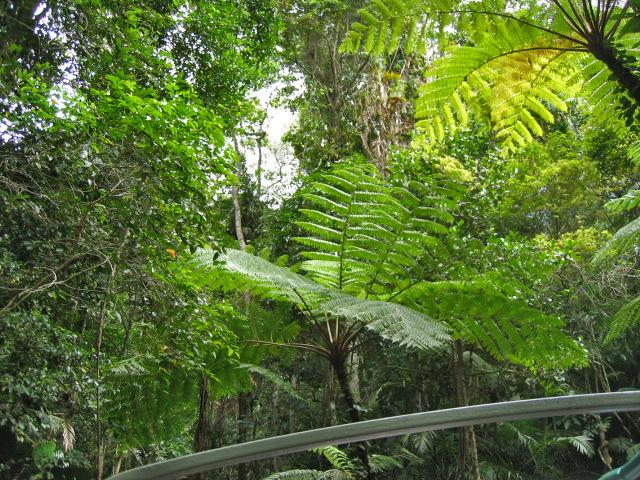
<point x="506" y="328"/>
<point x="295" y="475"/>
<point x="626" y="318"/>
<point x="338" y="459"/>
<point x="517" y="74"/>
<point x="622" y="241"/>
<point x="627" y="202"/>
<point x="379" y="236"/>
<point x="392" y="321"/>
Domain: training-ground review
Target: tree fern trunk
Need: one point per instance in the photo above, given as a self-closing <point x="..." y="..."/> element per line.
<point x="339" y="366"/>
<point x="467" y="445"/>
<point x="203" y="434"/>
<point x="624" y="75"/>
<point x="244" y="406"/>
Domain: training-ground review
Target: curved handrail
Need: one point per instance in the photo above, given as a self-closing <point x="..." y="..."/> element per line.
<point x="382" y="428"/>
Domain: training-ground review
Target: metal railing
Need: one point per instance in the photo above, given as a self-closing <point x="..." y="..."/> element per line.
<point x="393" y="426"/>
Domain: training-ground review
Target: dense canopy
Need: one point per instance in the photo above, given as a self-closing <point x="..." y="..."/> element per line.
<point x="225" y="220"/>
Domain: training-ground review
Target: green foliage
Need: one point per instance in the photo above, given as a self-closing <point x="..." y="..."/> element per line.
<point x="398" y="323"/>
<point x="625" y="319"/>
<point x="338" y="459"/>
<point x="370" y="239"/>
<point x="477" y="311"/>
<point x="622" y="242"/>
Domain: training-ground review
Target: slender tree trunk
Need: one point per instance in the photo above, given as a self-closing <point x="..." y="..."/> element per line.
<point x="292" y="412"/>
<point x="244" y="399"/>
<point x="467" y="444"/>
<point x="203" y="434"/>
<point x="259" y="169"/>
<point x="101" y="321"/>
<point x="339" y="366"/>
<point x="244" y="410"/>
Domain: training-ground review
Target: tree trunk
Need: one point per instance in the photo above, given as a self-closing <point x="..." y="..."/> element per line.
<point x="467" y="443"/>
<point x="339" y="366"/>
<point x="625" y="77"/>
<point x="203" y="435"/>
<point x="101" y="322"/>
<point x="244" y="410"/>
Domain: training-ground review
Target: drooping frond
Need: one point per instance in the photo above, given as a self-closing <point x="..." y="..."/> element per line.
<point x="622" y="241"/>
<point x="295" y="475"/>
<point x="274" y="378"/>
<point x="627" y="202"/>
<point x="337" y="458"/>
<point x="394" y="322"/>
<point x="582" y="443"/>
<point x="367" y="238"/>
<point x="625" y="319"/>
<point x="237" y="269"/>
<point x="507" y="328"/>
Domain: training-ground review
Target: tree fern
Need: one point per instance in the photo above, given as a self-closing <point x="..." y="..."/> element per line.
<point x="520" y="70"/>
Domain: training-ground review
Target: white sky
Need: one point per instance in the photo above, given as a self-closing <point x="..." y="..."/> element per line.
<point x="279" y="167"/>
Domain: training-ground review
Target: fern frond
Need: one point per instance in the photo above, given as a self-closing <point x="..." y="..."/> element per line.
<point x="394" y="322"/>
<point x="370" y="241"/>
<point x="295" y="475"/>
<point x="236" y="269"/>
<point x="582" y="443"/>
<point x="517" y="74"/>
<point x="622" y="241"/>
<point x="506" y="328"/>
<point x="626" y="318"/>
<point x="338" y="459"/>
<point x="627" y="202"/>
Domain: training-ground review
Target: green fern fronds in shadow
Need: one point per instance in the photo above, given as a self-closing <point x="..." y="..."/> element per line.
<point x="625" y="319"/>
